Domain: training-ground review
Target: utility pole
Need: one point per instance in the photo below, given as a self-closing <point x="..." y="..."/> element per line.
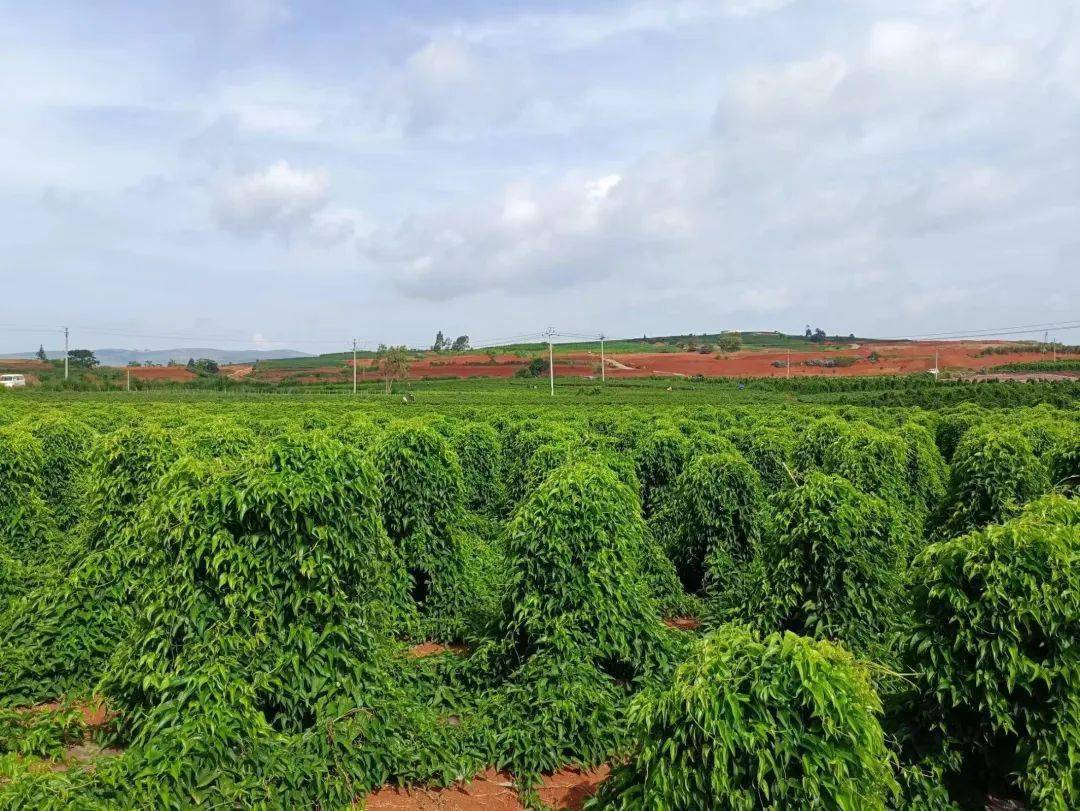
<point x="129" y="379"/>
<point x="551" y="360"/>
<point x="65" y="353"/>
<point x="354" y="366"/>
<point x="1053" y="344"/>
<point x="788" y="362"/>
<point x="603" y="361"/>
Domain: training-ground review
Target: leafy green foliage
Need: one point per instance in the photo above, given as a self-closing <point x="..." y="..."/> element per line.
<point x="711" y="518"/>
<point x="44" y="732"/>
<point x="243" y="578"/>
<point x="747" y="723"/>
<point x="423" y="509"/>
<point x="65" y="445"/>
<point x="829" y="567"/>
<point x="660" y="458"/>
<point x="994" y="651"/>
<point x="994" y="473"/>
<point x="479" y="450"/>
<point x="26" y="524"/>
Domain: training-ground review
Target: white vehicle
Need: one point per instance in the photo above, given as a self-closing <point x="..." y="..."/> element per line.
<point x="12" y="381"/>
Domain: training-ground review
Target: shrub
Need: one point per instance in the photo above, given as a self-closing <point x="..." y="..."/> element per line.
<point x="711" y="518"/>
<point x="479" y="451"/>
<point x="27" y="529"/>
<point x="769" y="452"/>
<point x="953" y="424"/>
<point x="927" y="473"/>
<point x="423" y="507"/>
<point x="994" y="653"/>
<point x="994" y="473"/>
<point x="65" y="444"/>
<point x="576" y="548"/>
<point x="58" y="636"/>
<point x="660" y="458"/>
<point x="578" y="624"/>
<point x="783" y="722"/>
<point x="828" y="568"/>
<point x="284" y="546"/>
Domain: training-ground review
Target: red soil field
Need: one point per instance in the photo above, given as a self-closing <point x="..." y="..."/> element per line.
<point x="17" y="365"/>
<point x="177" y="373"/>
<point x="892" y="358"/>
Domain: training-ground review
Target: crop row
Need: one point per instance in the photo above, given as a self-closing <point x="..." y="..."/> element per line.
<point x="889" y="601"/>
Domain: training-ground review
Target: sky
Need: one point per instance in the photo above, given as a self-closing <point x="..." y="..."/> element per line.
<point x="267" y="173"/>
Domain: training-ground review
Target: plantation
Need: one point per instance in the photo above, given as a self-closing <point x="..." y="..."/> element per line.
<point x="852" y="594"/>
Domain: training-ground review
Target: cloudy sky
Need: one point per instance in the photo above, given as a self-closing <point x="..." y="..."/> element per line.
<point x="269" y="173"/>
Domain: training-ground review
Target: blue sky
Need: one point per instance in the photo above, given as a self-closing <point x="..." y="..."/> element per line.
<point x="275" y="173"/>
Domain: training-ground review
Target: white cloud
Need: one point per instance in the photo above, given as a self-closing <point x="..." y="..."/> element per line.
<point x="279" y="200"/>
<point x="563" y="30"/>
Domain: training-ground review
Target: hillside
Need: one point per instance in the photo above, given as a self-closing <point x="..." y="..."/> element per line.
<point x="111" y="356"/>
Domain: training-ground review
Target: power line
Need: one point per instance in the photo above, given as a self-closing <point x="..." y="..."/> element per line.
<point x="974" y="333"/>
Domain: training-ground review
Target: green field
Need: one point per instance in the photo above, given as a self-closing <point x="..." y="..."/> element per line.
<point x="290" y="598"/>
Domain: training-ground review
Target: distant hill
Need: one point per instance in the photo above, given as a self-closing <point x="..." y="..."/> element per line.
<point x="122" y="357"/>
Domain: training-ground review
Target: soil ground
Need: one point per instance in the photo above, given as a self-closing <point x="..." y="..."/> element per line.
<point x="177" y="373"/>
<point x="490" y="791"/>
<point x="958" y="357"/>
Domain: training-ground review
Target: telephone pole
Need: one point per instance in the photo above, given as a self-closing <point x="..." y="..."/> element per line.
<point x="65" y="353"/>
<point x="603" y="361"/>
<point x="788" y="362"/>
<point x="551" y="359"/>
<point x="354" y="366"/>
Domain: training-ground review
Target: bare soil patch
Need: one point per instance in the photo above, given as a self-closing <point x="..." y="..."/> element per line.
<point x="490" y="791"/>
<point x="175" y="373"/>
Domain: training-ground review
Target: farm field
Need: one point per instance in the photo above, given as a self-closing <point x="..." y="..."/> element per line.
<point x="861" y="592"/>
<point x="959" y="358"/>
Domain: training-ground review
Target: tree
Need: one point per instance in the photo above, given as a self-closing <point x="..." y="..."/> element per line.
<point x="440" y="342"/>
<point x="818" y="336"/>
<point x="40" y="354"/>
<point x="82" y="357"/>
<point x="730" y="342"/>
<point x="461" y="343"/>
<point x="207" y="366"/>
<point x="808" y="332"/>
<point x="536" y="367"/>
<point x="393" y="364"/>
<point x="191" y="365"/>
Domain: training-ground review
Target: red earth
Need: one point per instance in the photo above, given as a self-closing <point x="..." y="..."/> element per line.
<point x="176" y="373"/>
<point x="891" y="358"/>
<point x="490" y="791"/>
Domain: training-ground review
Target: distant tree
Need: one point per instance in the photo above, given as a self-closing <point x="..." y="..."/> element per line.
<point x="393" y="364"/>
<point x="134" y="363"/>
<point x="82" y="357"/>
<point x="440" y="342"/>
<point x="461" y="343"/>
<point x="207" y="366"/>
<point x="536" y="367"/>
<point x="191" y="365"/>
<point x="40" y="354"/>
<point x="730" y="342"/>
<point x="809" y="333"/>
<point x="818" y="336"/>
